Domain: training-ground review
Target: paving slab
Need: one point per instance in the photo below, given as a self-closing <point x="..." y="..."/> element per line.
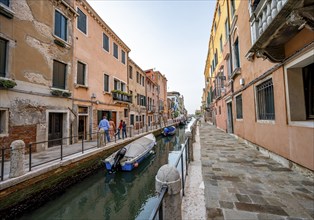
<point x="242" y="183"/>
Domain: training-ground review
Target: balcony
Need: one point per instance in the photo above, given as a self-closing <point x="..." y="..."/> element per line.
<point x="121" y="96"/>
<point x="151" y="108"/>
<point x="275" y="22"/>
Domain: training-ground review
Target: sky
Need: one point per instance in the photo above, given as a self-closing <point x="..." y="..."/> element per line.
<point x="167" y="35"/>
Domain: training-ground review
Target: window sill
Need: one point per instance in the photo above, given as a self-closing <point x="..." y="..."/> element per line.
<point x="307" y="124"/>
<point x="266" y="121"/>
<point x="107" y="93"/>
<point x="4" y="135"/>
<point x="80" y="86"/>
<point x="6" y="11"/>
<point x="239" y="119"/>
<point x="60" y="42"/>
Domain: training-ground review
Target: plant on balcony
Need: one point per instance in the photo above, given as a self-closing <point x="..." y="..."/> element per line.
<point x="7" y="83"/>
<point x="60" y="93"/>
<point x="120" y="92"/>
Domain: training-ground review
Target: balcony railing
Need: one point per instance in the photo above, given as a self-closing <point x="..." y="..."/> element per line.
<point x="275" y="22"/>
<point x="151" y="108"/>
<point x="118" y="96"/>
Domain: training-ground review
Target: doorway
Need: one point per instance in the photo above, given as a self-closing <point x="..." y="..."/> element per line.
<point x="55" y="129"/>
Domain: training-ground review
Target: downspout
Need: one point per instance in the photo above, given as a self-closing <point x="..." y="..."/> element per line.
<point x="230" y="49"/>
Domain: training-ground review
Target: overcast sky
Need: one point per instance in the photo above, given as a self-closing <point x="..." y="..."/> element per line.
<point x="170" y="36"/>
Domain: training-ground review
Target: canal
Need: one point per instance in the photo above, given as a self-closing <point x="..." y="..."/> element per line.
<point x="122" y="195"/>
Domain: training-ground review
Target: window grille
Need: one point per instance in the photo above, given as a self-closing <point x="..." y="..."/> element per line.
<point x="239" y="107"/>
<point x="265" y="101"/>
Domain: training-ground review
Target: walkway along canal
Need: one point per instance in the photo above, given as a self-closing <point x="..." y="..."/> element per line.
<point x="123" y="195"/>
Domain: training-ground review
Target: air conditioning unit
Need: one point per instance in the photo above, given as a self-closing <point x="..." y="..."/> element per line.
<point x="242" y="82"/>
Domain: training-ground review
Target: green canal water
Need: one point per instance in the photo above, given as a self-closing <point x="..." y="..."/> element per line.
<point x="121" y="196"/>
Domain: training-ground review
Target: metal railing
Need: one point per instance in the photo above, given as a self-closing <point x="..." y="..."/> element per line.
<point x="3" y="150"/>
<point x="158" y="207"/>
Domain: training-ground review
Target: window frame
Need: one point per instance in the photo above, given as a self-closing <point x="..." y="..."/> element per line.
<point x="65" y="38"/>
<point x="123" y="56"/>
<point x="4" y="62"/>
<point x="106" y="83"/>
<point x="105" y="46"/>
<point x="115" y="50"/>
<point x="4" y="122"/>
<point x="239" y="107"/>
<point x="84" y="73"/>
<point x="130" y="72"/>
<point x="54" y="83"/>
<point x="79" y="20"/>
<point x="260" y="96"/>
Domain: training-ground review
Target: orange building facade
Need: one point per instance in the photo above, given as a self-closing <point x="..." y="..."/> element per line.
<point x="270" y="101"/>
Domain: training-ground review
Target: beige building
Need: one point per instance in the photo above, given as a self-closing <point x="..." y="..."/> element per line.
<point x="137" y="87"/>
<point x="36" y="70"/>
<point x="161" y="82"/>
<point x="100" y="71"/>
<point x="272" y="59"/>
<point x="152" y="100"/>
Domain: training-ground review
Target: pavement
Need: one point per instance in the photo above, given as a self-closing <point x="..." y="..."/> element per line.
<point x="242" y="183"/>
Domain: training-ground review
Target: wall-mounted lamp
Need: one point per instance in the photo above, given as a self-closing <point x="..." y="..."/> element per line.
<point x="93" y="96"/>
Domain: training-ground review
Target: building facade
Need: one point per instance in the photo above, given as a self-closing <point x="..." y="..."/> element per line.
<point x="271" y="62"/>
<point x="37" y="47"/>
<point x="137" y="87"/>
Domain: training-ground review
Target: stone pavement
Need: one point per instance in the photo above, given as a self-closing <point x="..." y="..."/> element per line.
<point x="242" y="183"/>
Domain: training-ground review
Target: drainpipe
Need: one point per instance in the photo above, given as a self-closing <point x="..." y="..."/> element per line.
<point x="230" y="49"/>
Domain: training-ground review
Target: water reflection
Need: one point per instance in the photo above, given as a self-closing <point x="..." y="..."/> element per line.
<point x="122" y="195"/>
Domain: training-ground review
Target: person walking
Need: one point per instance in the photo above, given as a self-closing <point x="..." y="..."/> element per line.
<point x="104" y="124"/>
<point x="112" y="128"/>
<point x="119" y="129"/>
<point x="124" y="135"/>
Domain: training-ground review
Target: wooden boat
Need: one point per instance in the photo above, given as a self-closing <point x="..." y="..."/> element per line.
<point x="171" y="130"/>
<point x="130" y="156"/>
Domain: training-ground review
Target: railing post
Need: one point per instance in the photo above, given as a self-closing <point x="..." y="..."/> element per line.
<point x="182" y="171"/>
<point x="168" y="175"/>
<point x="188" y="134"/>
<point x="17" y="158"/>
<point x="61" y="149"/>
<point x="82" y="144"/>
<point x="30" y="157"/>
<point x="2" y="163"/>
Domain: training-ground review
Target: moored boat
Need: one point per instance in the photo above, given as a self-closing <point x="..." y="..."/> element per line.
<point x="171" y="130"/>
<point x="130" y="156"/>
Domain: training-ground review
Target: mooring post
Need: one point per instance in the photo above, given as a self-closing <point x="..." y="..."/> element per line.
<point x="101" y="137"/>
<point x="189" y="135"/>
<point x="17" y="158"/>
<point x="168" y="175"/>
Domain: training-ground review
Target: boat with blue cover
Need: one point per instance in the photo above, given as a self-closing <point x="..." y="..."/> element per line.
<point x="131" y="155"/>
<point x="171" y="130"/>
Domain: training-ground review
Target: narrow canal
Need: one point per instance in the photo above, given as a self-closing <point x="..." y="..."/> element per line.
<point x="122" y="195"/>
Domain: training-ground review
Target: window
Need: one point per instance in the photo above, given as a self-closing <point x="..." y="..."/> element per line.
<point x="232" y="8"/>
<point x="4" y="116"/>
<point x="137" y="77"/>
<point x="115" y="50"/>
<point x="81" y="72"/>
<point x="59" y="73"/>
<point x="239" y="106"/>
<point x="226" y="29"/>
<point x="130" y="72"/>
<point x="308" y="81"/>
<point x="220" y="43"/>
<point x="106" y="83"/>
<point x="265" y="101"/>
<point x="81" y="21"/>
<point x="116" y="84"/>
<point x="5" y="2"/>
<point x="132" y="119"/>
<point x="123" y="87"/>
<point x="3" y="57"/>
<point x="236" y="54"/>
<point x="123" y="56"/>
<point x="125" y="113"/>
<point x="105" y="40"/>
<point x="61" y="26"/>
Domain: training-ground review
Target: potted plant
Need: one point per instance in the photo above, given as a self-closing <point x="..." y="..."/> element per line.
<point x="7" y="83"/>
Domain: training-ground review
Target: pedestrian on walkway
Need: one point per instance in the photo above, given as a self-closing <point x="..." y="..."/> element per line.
<point x="119" y="129"/>
<point x="104" y="124"/>
<point x="124" y="135"/>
